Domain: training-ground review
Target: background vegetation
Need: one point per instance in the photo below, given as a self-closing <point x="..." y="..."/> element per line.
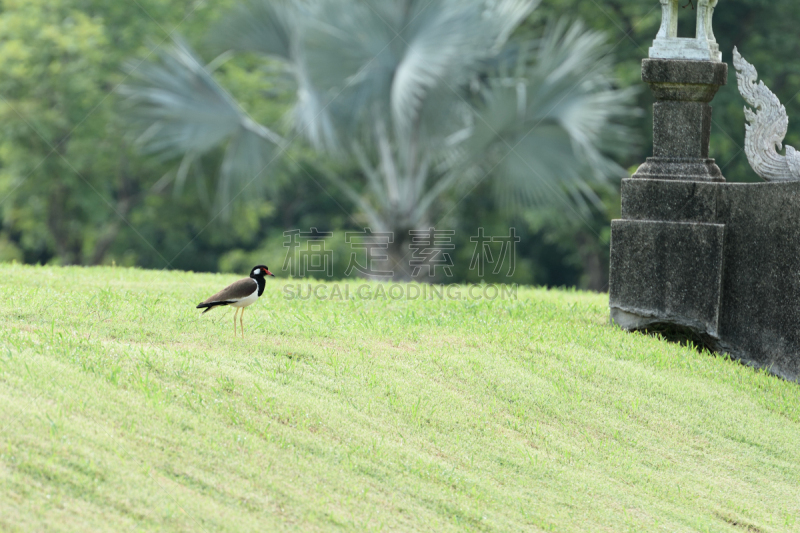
<point x="74" y="191"/>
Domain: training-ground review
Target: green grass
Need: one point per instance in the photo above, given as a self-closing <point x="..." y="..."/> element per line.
<point x="122" y="409"/>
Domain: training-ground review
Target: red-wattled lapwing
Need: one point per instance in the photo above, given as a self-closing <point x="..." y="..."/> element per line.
<point x="239" y="294"/>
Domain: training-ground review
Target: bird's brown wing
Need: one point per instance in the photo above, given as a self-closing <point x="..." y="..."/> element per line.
<point x="232" y="293"/>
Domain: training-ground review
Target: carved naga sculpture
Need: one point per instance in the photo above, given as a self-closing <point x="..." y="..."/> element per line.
<point x="766" y="128"/>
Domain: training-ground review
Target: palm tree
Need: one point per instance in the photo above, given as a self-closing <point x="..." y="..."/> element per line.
<point x="425" y="97"/>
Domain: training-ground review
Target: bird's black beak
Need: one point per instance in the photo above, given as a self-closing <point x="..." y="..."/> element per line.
<point x="268" y="273"/>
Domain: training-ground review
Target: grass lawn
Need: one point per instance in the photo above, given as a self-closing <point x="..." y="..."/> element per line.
<point x="123" y="409"/>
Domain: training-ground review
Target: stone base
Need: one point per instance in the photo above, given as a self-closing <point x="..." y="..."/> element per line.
<point x="673" y="329"/>
<point x="668" y="270"/>
<point x="685" y="81"/>
<point x="685" y="48"/>
<point x="685" y="169"/>
<point x="720" y="260"/>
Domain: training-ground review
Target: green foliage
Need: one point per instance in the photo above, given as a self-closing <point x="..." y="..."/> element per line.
<point x="122" y="408"/>
<point x="51" y="55"/>
<point x="425" y="98"/>
<point x="71" y="188"/>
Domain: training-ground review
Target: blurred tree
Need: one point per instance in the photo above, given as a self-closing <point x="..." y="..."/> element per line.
<point x="427" y="98"/>
<point x="49" y="56"/>
<point x="60" y="61"/>
<point x="71" y="188"/>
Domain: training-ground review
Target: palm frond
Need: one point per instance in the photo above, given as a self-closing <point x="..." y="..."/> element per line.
<point x="268" y="27"/>
<point x="551" y="118"/>
<point x="368" y="59"/>
<point x="347" y="65"/>
<point x="177" y="109"/>
<point x="445" y="45"/>
<point x="507" y="15"/>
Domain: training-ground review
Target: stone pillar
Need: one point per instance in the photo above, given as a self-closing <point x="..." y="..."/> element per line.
<point x="682" y="118"/>
<point x="668" y="249"/>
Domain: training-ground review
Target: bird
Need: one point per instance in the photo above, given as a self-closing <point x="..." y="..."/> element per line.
<point x="239" y="294"/>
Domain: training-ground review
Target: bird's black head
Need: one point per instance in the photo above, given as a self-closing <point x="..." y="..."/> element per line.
<point x="258" y="274"/>
<point x="260" y="271"/>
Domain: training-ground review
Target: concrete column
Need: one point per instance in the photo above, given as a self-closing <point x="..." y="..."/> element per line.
<point x="682" y="118"/>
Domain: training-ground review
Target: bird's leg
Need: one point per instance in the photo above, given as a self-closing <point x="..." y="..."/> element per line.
<point x="234" y="321"/>
<point x="241" y="323"/>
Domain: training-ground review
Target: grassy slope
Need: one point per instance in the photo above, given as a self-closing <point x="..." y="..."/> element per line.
<point x="121" y="409"/>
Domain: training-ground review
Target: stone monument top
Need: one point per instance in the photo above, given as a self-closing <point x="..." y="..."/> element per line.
<point x="667" y="44"/>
